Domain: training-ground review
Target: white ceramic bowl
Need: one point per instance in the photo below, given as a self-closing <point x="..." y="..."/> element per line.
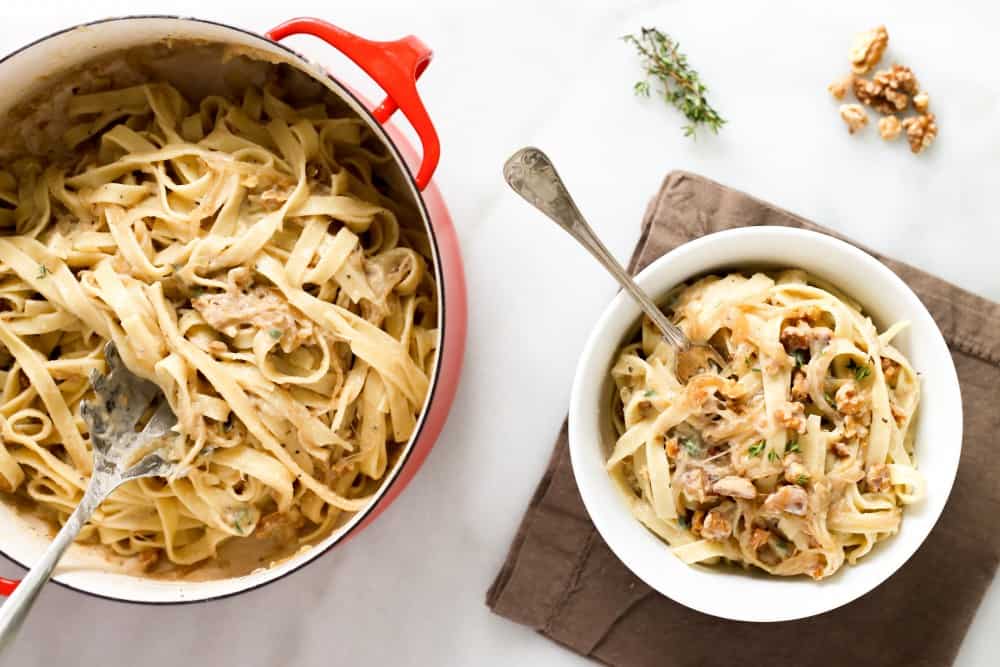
<point x="729" y="592"/>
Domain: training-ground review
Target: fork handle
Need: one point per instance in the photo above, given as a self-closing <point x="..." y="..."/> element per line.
<point x="17" y="606"/>
<point x="531" y="174"/>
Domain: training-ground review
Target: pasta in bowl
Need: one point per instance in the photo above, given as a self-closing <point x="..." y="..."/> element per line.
<point x="796" y="455"/>
<point x="778" y="463"/>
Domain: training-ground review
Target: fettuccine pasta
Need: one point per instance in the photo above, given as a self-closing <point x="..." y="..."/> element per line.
<point x="796" y="455"/>
<point x="243" y="255"/>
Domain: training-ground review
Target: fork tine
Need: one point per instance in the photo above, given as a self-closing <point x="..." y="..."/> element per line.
<point x="121" y="391"/>
<point x="161" y="422"/>
<point x="148" y="466"/>
<point x="96" y="425"/>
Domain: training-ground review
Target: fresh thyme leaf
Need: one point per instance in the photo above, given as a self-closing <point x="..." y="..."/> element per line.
<point x="756" y="369"/>
<point x="275" y="333"/>
<point x="683" y="522"/>
<point x="42" y="271"/>
<point x="861" y="372"/>
<point x="757" y="448"/>
<point x="828" y="397"/>
<point x="772" y="456"/>
<point x="793" y="446"/>
<point x="681" y="88"/>
<point x="649" y="392"/>
<point x="690" y="446"/>
<point x="800" y="358"/>
<point x="238" y="516"/>
<point x="802" y="480"/>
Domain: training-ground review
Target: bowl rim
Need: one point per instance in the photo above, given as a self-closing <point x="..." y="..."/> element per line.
<point x="300" y="559"/>
<point x="621" y="309"/>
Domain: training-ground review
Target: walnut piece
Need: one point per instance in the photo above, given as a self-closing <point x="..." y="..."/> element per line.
<point x="889" y="91"/>
<point x="921" y="131"/>
<point x="889" y="127"/>
<point x="800" y="387"/>
<point x="891" y="371"/>
<point x="717" y="525"/>
<point x="854" y="115"/>
<point x="849" y="400"/>
<point x="921" y="101"/>
<point x="795" y="472"/>
<point x="878" y="478"/>
<point x="791" y="416"/>
<point x="840" y="87"/>
<point x="867" y="49"/>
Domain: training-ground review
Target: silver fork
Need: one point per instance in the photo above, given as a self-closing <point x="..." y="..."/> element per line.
<point x="121" y="453"/>
<point x="531" y="174"/>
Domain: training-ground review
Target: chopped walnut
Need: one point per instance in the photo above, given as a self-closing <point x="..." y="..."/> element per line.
<point x="673" y="448"/>
<point x="717" y="525"/>
<point x="841" y="450"/>
<point x="921" y="131"/>
<point x="921" y="101"/>
<point x="889" y="91"/>
<point x="890" y="369"/>
<point x="148" y="558"/>
<point x="889" y="127"/>
<point x="854" y="115"/>
<point x="697" y="521"/>
<point x="694" y="485"/>
<point x="791" y="499"/>
<point x="759" y="538"/>
<point x="282" y="526"/>
<point x="791" y="416"/>
<point x="800" y="387"/>
<point x="856" y="427"/>
<point x="868" y="48"/>
<point x="735" y="487"/>
<point x="878" y="477"/>
<point x="840" y="87"/>
<point x="795" y="472"/>
<point x="801" y="335"/>
<point x="849" y="401"/>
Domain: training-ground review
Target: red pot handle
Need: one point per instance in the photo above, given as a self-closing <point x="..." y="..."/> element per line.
<point x="395" y="66"/>
<point x="7" y="586"/>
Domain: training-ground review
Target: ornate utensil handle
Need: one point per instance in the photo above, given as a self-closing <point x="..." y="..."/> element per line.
<point x="17" y="606"/>
<point x="530" y="173"/>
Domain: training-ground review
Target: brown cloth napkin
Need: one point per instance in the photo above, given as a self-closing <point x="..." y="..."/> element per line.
<point x="561" y="579"/>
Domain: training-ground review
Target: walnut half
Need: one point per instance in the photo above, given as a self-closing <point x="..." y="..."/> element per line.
<point x="854" y="115"/>
<point x="867" y="49"/>
<point x="921" y="131"/>
<point x="889" y="91"/>
<point x="840" y="87"/>
<point x="889" y="127"/>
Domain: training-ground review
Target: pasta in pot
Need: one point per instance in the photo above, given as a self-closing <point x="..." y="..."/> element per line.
<point x="794" y="457"/>
<point x="242" y="255"/>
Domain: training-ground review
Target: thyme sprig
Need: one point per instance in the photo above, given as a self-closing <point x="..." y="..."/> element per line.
<point x="663" y="61"/>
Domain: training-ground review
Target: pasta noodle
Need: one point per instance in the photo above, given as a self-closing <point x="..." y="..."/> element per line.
<point x="243" y="255"/>
<point x="795" y="456"/>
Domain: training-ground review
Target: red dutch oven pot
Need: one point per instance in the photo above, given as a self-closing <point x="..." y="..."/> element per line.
<point x="395" y="66"/>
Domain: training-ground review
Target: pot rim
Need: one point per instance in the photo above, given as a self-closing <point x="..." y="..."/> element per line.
<point x="357" y="521"/>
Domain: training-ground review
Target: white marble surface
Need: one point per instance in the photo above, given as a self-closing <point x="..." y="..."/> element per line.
<point x="410" y="589"/>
